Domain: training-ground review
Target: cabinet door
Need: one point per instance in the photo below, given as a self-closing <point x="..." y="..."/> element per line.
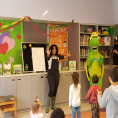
<point x="23" y="92"/>
<point x="85" y="85"/>
<point x="8" y="86"/>
<point x="70" y="78"/>
<point x="63" y="89"/>
<point x="46" y="88"/>
<point x="38" y="88"/>
<point x="105" y="80"/>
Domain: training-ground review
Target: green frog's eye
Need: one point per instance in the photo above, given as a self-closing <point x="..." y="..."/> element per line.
<point x="98" y="38"/>
<point x="91" y="38"/>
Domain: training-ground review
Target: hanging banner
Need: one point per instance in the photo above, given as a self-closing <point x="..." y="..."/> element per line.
<point x="61" y="41"/>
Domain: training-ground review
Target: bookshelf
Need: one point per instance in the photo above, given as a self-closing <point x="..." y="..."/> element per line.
<point x="84" y="47"/>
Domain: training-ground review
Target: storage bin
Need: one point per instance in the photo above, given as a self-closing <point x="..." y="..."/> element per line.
<point x="105" y="32"/>
<point x="111" y="30"/>
<point x="107" y="40"/>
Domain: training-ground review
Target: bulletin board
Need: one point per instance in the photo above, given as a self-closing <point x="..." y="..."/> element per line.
<point x="28" y="57"/>
<point x="10" y="43"/>
<point x="61" y="41"/>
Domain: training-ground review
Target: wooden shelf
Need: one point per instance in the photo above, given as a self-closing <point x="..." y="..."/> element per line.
<point x="105" y="35"/>
<point x="82" y="70"/>
<point x="85" y="33"/>
<point x="84" y="45"/>
<point x="83" y="57"/>
<point x="105" y="45"/>
<point x="82" y="31"/>
<point x="99" y="45"/>
<point x="107" y="57"/>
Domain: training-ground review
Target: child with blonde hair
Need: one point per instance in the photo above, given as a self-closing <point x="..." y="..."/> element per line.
<point x="36" y="107"/>
<point x="74" y="95"/>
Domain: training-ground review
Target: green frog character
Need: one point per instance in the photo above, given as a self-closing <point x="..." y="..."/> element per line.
<point x="94" y="63"/>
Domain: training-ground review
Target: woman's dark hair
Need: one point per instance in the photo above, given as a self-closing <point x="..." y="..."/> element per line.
<point x="95" y="79"/>
<point x="51" y="48"/>
<point x="75" y="77"/>
<point x="57" y="113"/>
<point x="113" y="73"/>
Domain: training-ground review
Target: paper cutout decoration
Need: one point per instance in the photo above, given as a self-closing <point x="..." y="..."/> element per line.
<point x="10" y="41"/>
<point x="11" y="59"/>
<point x="24" y="47"/>
<point x="6" y="43"/>
<point x="3" y="48"/>
<point x="11" y="29"/>
<point x="30" y="45"/>
<point x="2" y="35"/>
<point x="26" y="67"/>
<point x="18" y="36"/>
<point x="0" y="25"/>
<point x="5" y="27"/>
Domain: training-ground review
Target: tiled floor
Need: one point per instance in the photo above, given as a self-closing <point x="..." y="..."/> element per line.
<point x="84" y="107"/>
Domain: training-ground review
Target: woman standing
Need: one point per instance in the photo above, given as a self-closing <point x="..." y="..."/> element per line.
<point x="53" y="73"/>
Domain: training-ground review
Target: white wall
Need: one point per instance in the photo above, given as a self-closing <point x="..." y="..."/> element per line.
<point x="116" y="11"/>
<point x="82" y="11"/>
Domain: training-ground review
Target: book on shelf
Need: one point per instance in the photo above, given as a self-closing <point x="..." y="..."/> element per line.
<point x="83" y="64"/>
<point x="64" y="65"/>
<point x="59" y="66"/>
<point x="17" y="69"/>
<point x="72" y="65"/>
<point x="0" y="69"/>
<point x="6" y="68"/>
<point x="84" y="39"/>
<point x="84" y="51"/>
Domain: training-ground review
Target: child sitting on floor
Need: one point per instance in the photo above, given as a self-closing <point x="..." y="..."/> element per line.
<point x="36" y="107"/>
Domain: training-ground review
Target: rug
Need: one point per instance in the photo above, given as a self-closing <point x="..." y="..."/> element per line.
<point x="87" y="114"/>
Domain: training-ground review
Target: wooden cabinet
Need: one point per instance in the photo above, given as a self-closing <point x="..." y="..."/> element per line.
<point x="37" y="88"/>
<point x="46" y="88"/>
<point x="23" y="92"/>
<point x="85" y="85"/>
<point x="8" y="86"/>
<point x="105" y="79"/>
<point x="63" y="89"/>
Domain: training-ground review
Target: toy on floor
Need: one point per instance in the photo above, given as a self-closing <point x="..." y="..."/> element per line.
<point x="94" y="63"/>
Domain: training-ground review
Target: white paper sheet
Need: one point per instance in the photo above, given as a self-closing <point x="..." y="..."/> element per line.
<point x="38" y="59"/>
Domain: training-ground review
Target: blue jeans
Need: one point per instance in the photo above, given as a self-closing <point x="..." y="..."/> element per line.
<point x="74" y="110"/>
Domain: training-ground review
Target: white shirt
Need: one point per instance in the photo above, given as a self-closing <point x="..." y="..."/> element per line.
<point x="39" y="115"/>
<point x="74" y="95"/>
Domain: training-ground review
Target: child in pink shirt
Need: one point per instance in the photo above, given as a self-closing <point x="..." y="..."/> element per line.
<point x="92" y="96"/>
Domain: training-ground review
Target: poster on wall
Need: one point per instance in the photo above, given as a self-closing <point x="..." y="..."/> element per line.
<point x="38" y="59"/>
<point x="10" y="43"/>
<point x="61" y="41"/>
